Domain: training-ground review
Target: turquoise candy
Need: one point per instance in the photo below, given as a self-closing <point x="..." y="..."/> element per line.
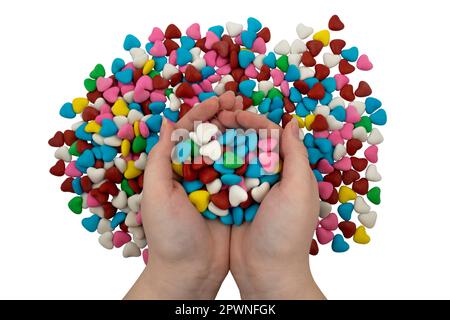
<point x="241" y="150"/>
<point x="152" y="140"/>
<point x="191" y="186"/>
<point x="218" y="166"/>
<point x="117" y="65"/>
<point x="66" y="111"/>
<point x="154" y="122"/>
<point x="227" y="220"/>
<point x="329" y="85"/>
<point x="277" y="103"/>
<point x="81" y="134"/>
<point x="202" y="96"/>
<point x="265" y="105"/>
<point x="207" y="71"/>
<point x="231" y="179"/>
<point x="350" y="54"/>
<point x="310" y="104"/>
<point x="248" y="37"/>
<point x="339" y="244"/>
<point x="157" y="107"/>
<point x="245" y="57"/>
<point x="209" y="215"/>
<point x="183" y="56"/>
<point x="253" y="24"/>
<point x="246" y="87"/>
<point x="275" y="115"/>
<point x="108" y="153"/>
<point x="135" y="106"/>
<point x="218" y="30"/>
<point x="91" y="223"/>
<point x="76" y="186"/>
<point x="227" y="137"/>
<point x="314" y="155"/>
<point x="183" y="150"/>
<point x="301" y="110"/>
<point x="372" y="104"/>
<point x="97" y="151"/>
<point x="124" y="76"/>
<point x="270" y="178"/>
<point x="326" y="99"/>
<point x="345" y="211"/>
<point x="317" y="175"/>
<point x="131" y="42"/>
<point x="339" y="113"/>
<point x="149" y="46"/>
<point x="308" y="140"/>
<point x="311" y="82"/>
<point x="118" y="218"/>
<point x="109" y="128"/>
<point x="86" y="159"/>
<point x="270" y="60"/>
<point x="292" y="73"/>
<point x="295" y="95"/>
<point x="171" y="115"/>
<point x="252" y="141"/>
<point x="160" y="62"/>
<point x="250" y="212"/>
<point x="238" y="215"/>
<point x="187" y="42"/>
<point x="324" y="145"/>
<point x="379" y="117"/>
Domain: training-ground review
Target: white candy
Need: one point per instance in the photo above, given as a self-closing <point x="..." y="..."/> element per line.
<point x="306" y="73"/>
<point x="282" y="47"/>
<point x="120" y="121"/>
<point x="205" y="131"/>
<point x="103" y="226"/>
<point x="303" y="31"/>
<point x="251" y="183"/>
<point x="108" y="165"/>
<point x="141" y="162"/>
<point x="359" y="106"/>
<point x="237" y="195"/>
<point x="361" y="205"/>
<point x="226" y="79"/>
<point x="129" y="96"/>
<point x="219" y="89"/>
<point x="113" y="141"/>
<point x="338" y="101"/>
<point x="213" y="150"/>
<point x="331" y="60"/>
<point x="105" y="240"/>
<point x="368" y="219"/>
<point x="62" y="153"/>
<point x="174" y="102"/>
<point x="199" y="63"/>
<point x="298" y="46"/>
<point x="76" y="125"/>
<point x="323" y="110"/>
<point x="139" y="56"/>
<point x="131" y="250"/>
<point x="334" y="124"/>
<point x="214" y="186"/>
<point x="265" y="86"/>
<point x="372" y="173"/>
<point x="217" y="211"/>
<point x="98" y="139"/>
<point x="252" y="109"/>
<point x="134" y="115"/>
<point x="339" y="152"/>
<point x="294" y="58"/>
<point x="84" y="203"/>
<point x="234" y="29"/>
<point x="137" y="232"/>
<point x="120" y="201"/>
<point x="360" y="134"/>
<point x="97" y="211"/>
<point x="325" y="209"/>
<point x="168" y="71"/>
<point x="141" y="243"/>
<point x="96" y="175"/>
<point x="258" y="61"/>
<point x="258" y="193"/>
<point x="121" y="164"/>
<point x="134" y="202"/>
<point x="98" y="103"/>
<point x="130" y="220"/>
<point x="195" y="51"/>
<point x="375" y="137"/>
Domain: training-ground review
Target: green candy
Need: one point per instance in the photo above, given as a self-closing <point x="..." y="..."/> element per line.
<point x="195" y="149"/>
<point x="232" y="161"/>
<point x="126" y="187"/>
<point x="168" y="92"/>
<point x="98" y="71"/>
<point x="73" y="149"/>
<point x="75" y="205"/>
<point x="257" y="97"/>
<point x="364" y="122"/>
<point x="139" y="144"/>
<point x="374" y="195"/>
<point x="283" y="63"/>
<point x="153" y="73"/>
<point x="90" y="84"/>
<point x="274" y="92"/>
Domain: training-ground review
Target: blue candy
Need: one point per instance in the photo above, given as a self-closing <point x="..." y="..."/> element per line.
<point x="308" y="140"/>
<point x="324" y="145"/>
<point x="206" y="95"/>
<point x="76" y="186"/>
<point x="157" y="107"/>
<point x="227" y="220"/>
<point x="149" y="46"/>
<point x="339" y="113"/>
<point x="91" y="223"/>
<point x="135" y="106"/>
<point x="183" y="56"/>
<point x="108" y="128"/>
<point x="314" y="155"/>
<point x="154" y="122"/>
<point x="292" y="73"/>
<point x="277" y="103"/>
<point x="207" y="71"/>
<point x="66" y="111"/>
<point x="152" y="140"/>
<point x="238" y="215"/>
<point x="159" y="63"/>
<point x="275" y="115"/>
<point x="183" y="150"/>
<point x="350" y="54"/>
<point x="248" y="37"/>
<point x="270" y="60"/>
<point x="301" y="110"/>
<point x="345" y="211"/>
<point x="317" y="175"/>
<point x="253" y="170"/>
<point x="209" y="215"/>
<point x="245" y="57"/>
<point x="171" y="115"/>
<point x="339" y="244"/>
<point x="379" y="117"/>
<point x="270" y="178"/>
<point x="246" y="87"/>
<point x="252" y="140"/>
<point x="118" y="218"/>
<point x="265" y="105"/>
<point x="218" y="30"/>
<point x="250" y="212"/>
<point x="187" y="42"/>
<point x="372" y="104"/>
<point x="329" y="85"/>
<point x="97" y="151"/>
<point x="125" y="76"/>
<point x="108" y="153"/>
<point x="326" y="99"/>
<point x="86" y="159"/>
<point x="231" y="179"/>
<point x="311" y="82"/>
<point x="117" y="65"/>
<point x="253" y="24"/>
<point x="310" y="104"/>
<point x="218" y="166"/>
<point x="295" y="95"/>
<point x="191" y="186"/>
<point x="131" y="42"/>
<point x="81" y="134"/>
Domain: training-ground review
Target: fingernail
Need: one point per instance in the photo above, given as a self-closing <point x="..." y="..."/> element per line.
<point x="294" y="127"/>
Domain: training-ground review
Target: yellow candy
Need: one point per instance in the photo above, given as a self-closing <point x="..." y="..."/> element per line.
<point x="79" y="104"/>
<point x="131" y="172"/>
<point x="301" y="122"/>
<point x="125" y="147"/>
<point x="136" y="128"/>
<point x="148" y="66"/>
<point x="323" y="36"/>
<point x="346" y="194"/>
<point x="361" y="236"/>
<point x="120" y="108"/>
<point x="92" y="127"/>
<point x="178" y="168"/>
<point x="200" y="199"/>
<point x="309" y="120"/>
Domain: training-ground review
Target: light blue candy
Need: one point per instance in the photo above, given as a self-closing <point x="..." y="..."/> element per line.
<point x="241" y="150"/>
<point x="295" y="95"/>
<point x="339" y="245"/>
<point x="329" y="84"/>
<point x="275" y="115"/>
<point x="308" y="140"/>
<point x="292" y="73"/>
<point x="187" y="42"/>
<point x="245" y="57"/>
<point x="160" y="62"/>
<point x="277" y="103"/>
<point x="311" y="82"/>
<point x="314" y="155"/>
<point x="248" y="37"/>
<point x="301" y="110"/>
<point x="329" y="157"/>
<point x="326" y="99"/>
<point x="117" y="65"/>
<point x="246" y="87"/>
<point x="231" y="179"/>
<point x="108" y="128"/>
<point x="253" y="24"/>
<point x="191" y="186"/>
<point x="209" y="215"/>
<point x="66" y="111"/>
<point x="157" y="107"/>
<point x="218" y="166"/>
<point x="310" y="104"/>
<point x="76" y="186"/>
<point x="118" y="218"/>
<point x="125" y="76"/>
<point x="227" y="220"/>
<point x="183" y="150"/>
<point x="86" y="159"/>
<point x="81" y="134"/>
<point x="131" y="42"/>
<point x="345" y="211"/>
<point x="238" y="215"/>
<point x="372" y="104"/>
<point x="254" y="170"/>
<point x="183" y="56"/>
<point x="154" y="122"/>
<point x="171" y="115"/>
<point x="97" y="151"/>
<point x="206" y="95"/>
<point x="91" y="223"/>
<point x="265" y="105"/>
<point x="339" y="113"/>
<point x="152" y="140"/>
<point x="350" y="54"/>
<point x="207" y="71"/>
<point x="135" y="106"/>
<point x="227" y="137"/>
<point x="108" y="153"/>
<point x="270" y="178"/>
<point x="270" y="60"/>
<point x="324" y="145"/>
<point x="250" y="212"/>
<point x="149" y="46"/>
<point x="379" y="117"/>
<point x="317" y="175"/>
<point x="252" y="140"/>
<point x="218" y="30"/>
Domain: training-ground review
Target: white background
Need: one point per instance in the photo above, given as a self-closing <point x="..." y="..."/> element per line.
<point x="48" y="47"/>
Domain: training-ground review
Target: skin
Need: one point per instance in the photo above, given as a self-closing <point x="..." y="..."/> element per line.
<point x="190" y="256"/>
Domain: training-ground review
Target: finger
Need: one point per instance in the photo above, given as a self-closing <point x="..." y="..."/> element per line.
<point x="201" y="112"/>
<point x="255" y="121"/>
<point x="227" y="100"/>
<point x="228" y="119"/>
<point x="217" y="122"/>
<point x="159" y="164"/>
<point x="238" y="103"/>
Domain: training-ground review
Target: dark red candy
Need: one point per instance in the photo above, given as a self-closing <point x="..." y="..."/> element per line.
<point x="361" y="186"/>
<point x="285" y="119"/>
<point x="108" y="210"/>
<point x="160" y="83"/>
<point x="220" y="199"/>
<point x="123" y="227"/>
<point x="57" y="140"/>
<point x="109" y="187"/>
<point x="317" y="92"/>
<point x="334" y="178"/>
<point x="334" y="198"/>
<point x="348" y="228"/>
<point x="222" y="48"/>
<point x="114" y="175"/>
<point x="347" y="92"/>
<point x="264" y="33"/>
<point x="134" y="185"/>
<point x="359" y="164"/>
<point x="184" y="90"/>
<point x="206" y="175"/>
<point x="189" y="174"/>
<point x="348" y="177"/>
<point x="320" y="123"/>
<point x="83" y="145"/>
<point x="247" y="203"/>
<point x="58" y="168"/>
<point x="335" y="23"/>
<point x="99" y="196"/>
<point x="363" y="90"/>
<point x="345" y="67"/>
<point x="322" y="71"/>
<point x="192" y="74"/>
<point x="288" y="105"/>
<point x="337" y="45"/>
<point x="172" y="32"/>
<point x="301" y="86"/>
<point x="66" y="186"/>
<point x="170" y="45"/>
<point x="69" y="137"/>
<point x="308" y="59"/>
<point x="241" y="170"/>
<point x="353" y="145"/>
<point x="198" y="163"/>
<point x="314" y="46"/>
<point x="86" y="184"/>
<point x="89" y="113"/>
<point x="314" y="248"/>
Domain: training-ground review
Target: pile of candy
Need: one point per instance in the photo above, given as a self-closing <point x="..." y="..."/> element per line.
<point x="121" y="117"/>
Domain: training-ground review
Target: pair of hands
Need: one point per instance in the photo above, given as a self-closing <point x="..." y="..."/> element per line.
<point x="190" y="255"/>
